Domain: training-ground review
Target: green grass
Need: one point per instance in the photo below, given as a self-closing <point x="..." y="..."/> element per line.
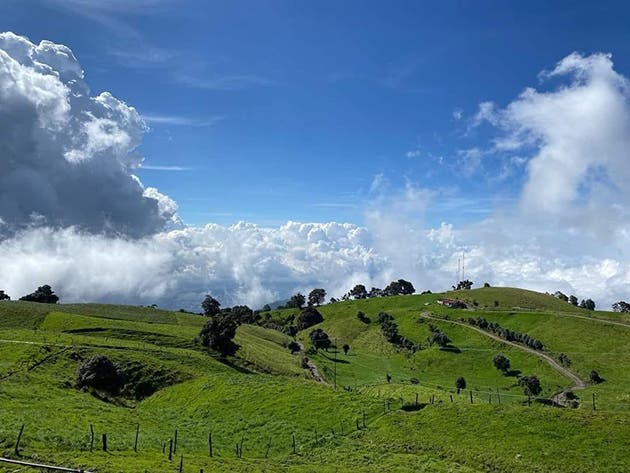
<point x="264" y="395"/>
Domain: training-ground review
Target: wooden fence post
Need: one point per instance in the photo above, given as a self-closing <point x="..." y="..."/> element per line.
<point x="91" y="437"/>
<point x="175" y="442"/>
<point x="416" y="399"/>
<point x="17" y="443"/>
<point x="451" y="397"/>
<point x="181" y="464"/>
<point x="593" y="401"/>
<point x="210" y="443"/>
<point x="268" y="448"/>
<point x="170" y="449"/>
<point x="471" y="399"/>
<point x="293" y="444"/>
<point x="104" y="442"/>
<point x="135" y="442"/>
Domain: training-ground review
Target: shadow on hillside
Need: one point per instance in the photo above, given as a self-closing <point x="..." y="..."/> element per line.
<point x="232" y="363"/>
<point x="450" y="348"/>
<point x="512" y="373"/>
<point x="413" y="407"/>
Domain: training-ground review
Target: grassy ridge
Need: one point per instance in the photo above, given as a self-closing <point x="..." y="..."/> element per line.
<point x="263" y="395"/>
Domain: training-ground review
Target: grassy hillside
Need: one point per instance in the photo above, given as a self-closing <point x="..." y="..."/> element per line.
<point x="263" y="397"/>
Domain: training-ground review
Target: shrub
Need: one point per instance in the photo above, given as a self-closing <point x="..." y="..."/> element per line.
<point x="531" y="385"/>
<point x="595" y="377"/>
<point x="460" y="383"/>
<point x="501" y="363"/>
<point x="294" y="347"/>
<point x="346" y="348"/>
<point x="308" y="317"/>
<point x="44" y="294"/>
<point x="100" y="373"/>
<point x="363" y="318"/>
<point x="319" y="338"/>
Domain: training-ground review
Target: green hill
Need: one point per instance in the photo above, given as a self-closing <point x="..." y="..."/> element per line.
<point x="263" y="398"/>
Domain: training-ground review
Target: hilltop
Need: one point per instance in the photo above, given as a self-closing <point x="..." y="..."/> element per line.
<point x="389" y="404"/>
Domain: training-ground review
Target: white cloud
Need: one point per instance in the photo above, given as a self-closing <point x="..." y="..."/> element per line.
<point x="67" y="156"/>
<point x="179" y="120"/>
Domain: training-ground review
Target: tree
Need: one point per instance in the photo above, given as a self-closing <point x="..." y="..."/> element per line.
<point x="317" y="296"/>
<point x="501" y="363"/>
<point x="363" y="318"/>
<point x="294" y="347"/>
<point x="44" y="294"/>
<point x="439" y="338"/>
<point x="573" y="300"/>
<point x="595" y="377"/>
<point x="588" y="304"/>
<point x="4" y="296"/>
<point x="460" y="383"/>
<point x="359" y="292"/>
<point x="100" y="373"/>
<point x="375" y="292"/>
<point x="242" y="314"/>
<point x="531" y="385"/>
<point x="621" y="306"/>
<point x="485" y="284"/>
<point x="308" y="317"/>
<point x="319" y="338"/>
<point x="400" y="287"/>
<point x="218" y="333"/>
<point x="296" y="302"/>
<point x="266" y="308"/>
<point x="346" y="348"/>
<point x="466" y="284"/>
<point x="210" y="306"/>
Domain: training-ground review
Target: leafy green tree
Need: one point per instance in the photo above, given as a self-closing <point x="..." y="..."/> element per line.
<point x="439" y="338"/>
<point x="4" y="296"/>
<point x="316" y="296"/>
<point x="621" y="306"/>
<point x="99" y="372"/>
<point x="561" y="296"/>
<point x="320" y="338"/>
<point x="210" y="306"/>
<point x="44" y="294"/>
<point x="308" y="317"/>
<point x="346" y="348"/>
<point x="218" y="334"/>
<point x="266" y="308"/>
<point x="359" y="292"/>
<point x="375" y="292"/>
<point x="400" y="287"/>
<point x="573" y="300"/>
<point x="588" y="304"/>
<point x="501" y="363"/>
<point x="297" y="301"/>
<point x="460" y="383"/>
<point x="531" y="385"/>
<point x="466" y="284"/>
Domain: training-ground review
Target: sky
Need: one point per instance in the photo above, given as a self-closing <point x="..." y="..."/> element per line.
<point x="158" y="150"/>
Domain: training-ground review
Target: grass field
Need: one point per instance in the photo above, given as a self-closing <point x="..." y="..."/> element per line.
<point x="263" y="397"/>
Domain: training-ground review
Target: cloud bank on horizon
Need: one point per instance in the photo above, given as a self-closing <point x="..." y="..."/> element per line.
<point x="74" y="215"/>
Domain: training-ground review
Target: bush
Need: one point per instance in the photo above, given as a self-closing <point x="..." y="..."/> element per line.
<point x="363" y="318"/>
<point x="460" y="383"/>
<point x="319" y="338"/>
<point x="294" y="347"/>
<point x="308" y="317"/>
<point x="4" y="296"/>
<point x="501" y="363"/>
<point x="100" y="373"/>
<point x="531" y="385"/>
<point x="595" y="377"/>
<point x="44" y="295"/>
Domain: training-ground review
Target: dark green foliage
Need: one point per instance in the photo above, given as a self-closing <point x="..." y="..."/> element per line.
<point x="595" y="377"/>
<point x="210" y="306"/>
<point x="266" y="308"/>
<point x="44" y="294"/>
<point x="308" y="317"/>
<point x="485" y="284"/>
<point x="4" y="296"/>
<point x="564" y="359"/>
<point x="588" y="304"/>
<point x="375" y="292"/>
<point x="573" y="300"/>
<point x="621" y="306"/>
<point x="501" y="363"/>
<point x="346" y="348"/>
<point x="359" y="292"/>
<point x="438" y="338"/>
<point x="363" y="318"/>
<point x="316" y="296"/>
<point x="242" y="314"/>
<point x="218" y="334"/>
<point x="466" y="284"/>
<point x="400" y="287"/>
<point x="507" y="334"/>
<point x="390" y="331"/>
<point x="531" y="385"/>
<point x="294" y="347"/>
<point x="319" y="338"/>
<point x="460" y="383"/>
<point x="297" y="301"/>
<point x="100" y="373"/>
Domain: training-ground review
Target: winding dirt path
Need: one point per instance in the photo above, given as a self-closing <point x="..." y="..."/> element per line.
<point x="578" y="383"/>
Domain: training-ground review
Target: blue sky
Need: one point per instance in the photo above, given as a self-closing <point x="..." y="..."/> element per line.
<point x="279" y="111"/>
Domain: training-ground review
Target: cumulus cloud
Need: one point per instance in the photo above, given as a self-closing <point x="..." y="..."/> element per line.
<point x="74" y="215"/>
<point x="68" y="158"/>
